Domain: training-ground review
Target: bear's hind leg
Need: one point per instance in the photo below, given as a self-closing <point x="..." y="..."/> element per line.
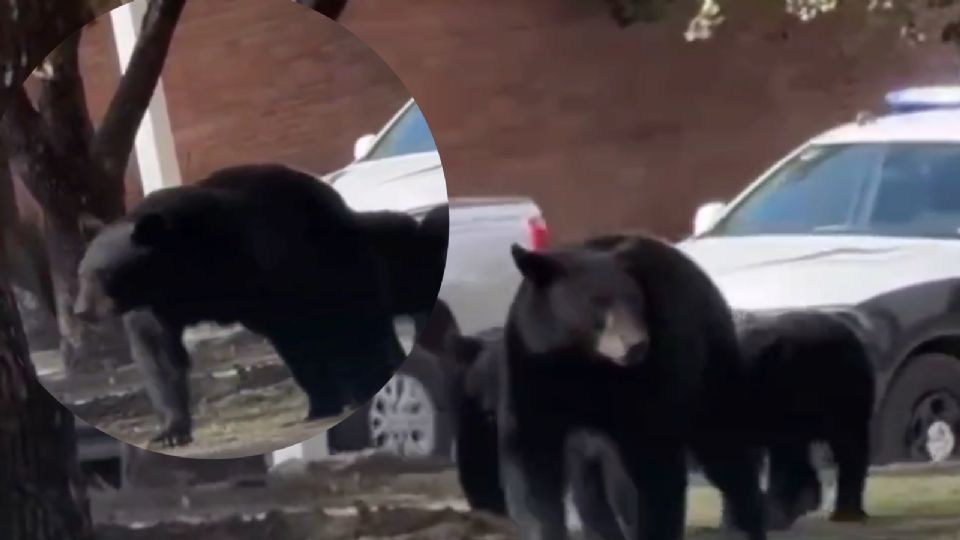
<point x="735" y="471"/>
<point x="851" y="452"/>
<point x="325" y="394"/>
<point x="157" y="347"/>
<point x="371" y="364"/>
<point x="600" y="488"/>
<point x="795" y="487"/>
<point x="533" y="488"/>
<point x="363" y="355"/>
<point x="659" y="475"/>
<point x="312" y="366"/>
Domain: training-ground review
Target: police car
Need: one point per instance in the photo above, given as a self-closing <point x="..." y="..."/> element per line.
<point x="863" y="219"/>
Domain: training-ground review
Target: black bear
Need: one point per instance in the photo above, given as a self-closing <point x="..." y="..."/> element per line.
<point x="472" y="392"/>
<point x="625" y="338"/>
<point x="262" y="245"/>
<point x="596" y="490"/>
<point x="811" y="381"/>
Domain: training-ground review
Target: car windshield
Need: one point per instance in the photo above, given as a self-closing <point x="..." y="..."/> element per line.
<point x="895" y="189"/>
<point x="408" y="135"/>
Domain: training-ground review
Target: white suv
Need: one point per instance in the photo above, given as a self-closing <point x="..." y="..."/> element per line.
<point x="864" y="218"/>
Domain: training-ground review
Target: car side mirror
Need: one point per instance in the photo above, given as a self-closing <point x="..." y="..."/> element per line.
<point x="707" y="216"/>
<point x="363" y="146"/>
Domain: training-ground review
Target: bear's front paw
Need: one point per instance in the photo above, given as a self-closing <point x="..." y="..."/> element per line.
<point x="169" y="438"/>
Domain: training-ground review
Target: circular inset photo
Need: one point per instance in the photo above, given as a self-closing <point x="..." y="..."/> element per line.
<point x="225" y="242"/>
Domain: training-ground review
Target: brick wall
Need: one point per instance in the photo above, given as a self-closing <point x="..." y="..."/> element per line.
<point x="255" y="80"/>
<point x="606" y="128"/>
<point x="633" y="128"/>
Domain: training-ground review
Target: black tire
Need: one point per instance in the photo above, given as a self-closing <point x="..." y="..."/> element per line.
<point x="924" y="377"/>
<point x="354" y="433"/>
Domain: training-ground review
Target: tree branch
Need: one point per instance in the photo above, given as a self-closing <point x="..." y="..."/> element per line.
<point x="63" y="101"/>
<point x="114" y="141"/>
<point x="32" y="156"/>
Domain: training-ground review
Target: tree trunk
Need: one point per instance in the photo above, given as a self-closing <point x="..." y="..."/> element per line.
<point x="42" y="496"/>
<point x="72" y="169"/>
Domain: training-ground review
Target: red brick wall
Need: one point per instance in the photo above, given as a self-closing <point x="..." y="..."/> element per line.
<point x="633" y="128"/>
<point x="606" y="128"/>
<point x="251" y="80"/>
<point x="255" y="80"/>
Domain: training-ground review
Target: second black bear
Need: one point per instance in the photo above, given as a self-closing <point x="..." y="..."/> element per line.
<point x="473" y="399"/>
<point x="264" y="246"/>
<point x="811" y="381"/>
<point x="626" y="338"/>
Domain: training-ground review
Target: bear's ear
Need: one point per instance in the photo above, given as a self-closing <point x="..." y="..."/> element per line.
<point x="151" y="230"/>
<point x="538" y="268"/>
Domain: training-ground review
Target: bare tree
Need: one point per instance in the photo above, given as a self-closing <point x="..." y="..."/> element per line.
<point x="42" y="496"/>
<point x="41" y="492"/>
<point x="71" y="169"/>
<point x="74" y="170"/>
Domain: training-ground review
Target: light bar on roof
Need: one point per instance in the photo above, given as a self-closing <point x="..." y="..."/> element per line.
<point x="924" y="98"/>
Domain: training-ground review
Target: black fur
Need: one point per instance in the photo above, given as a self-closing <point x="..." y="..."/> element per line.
<point x="684" y="391"/>
<point x="265" y="246"/>
<point x="593" y="470"/>
<point x="811" y="381"/>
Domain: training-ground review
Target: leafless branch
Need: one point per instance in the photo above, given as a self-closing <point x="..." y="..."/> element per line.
<point x="63" y="101"/>
<point x="114" y="141"/>
<point x="30" y="152"/>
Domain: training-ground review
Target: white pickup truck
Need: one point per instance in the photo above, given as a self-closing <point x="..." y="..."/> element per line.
<point x="399" y="169"/>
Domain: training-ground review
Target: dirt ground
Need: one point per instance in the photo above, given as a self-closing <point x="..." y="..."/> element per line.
<point x="244" y="399"/>
<point x="400" y="501"/>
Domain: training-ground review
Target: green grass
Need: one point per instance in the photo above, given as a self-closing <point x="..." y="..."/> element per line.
<point x="901" y="508"/>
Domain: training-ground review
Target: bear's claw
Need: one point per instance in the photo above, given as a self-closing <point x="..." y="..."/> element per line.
<point x="170" y="438"/>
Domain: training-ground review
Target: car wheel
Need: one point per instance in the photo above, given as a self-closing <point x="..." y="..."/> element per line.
<point x="920" y="419"/>
<point x="407" y="417"/>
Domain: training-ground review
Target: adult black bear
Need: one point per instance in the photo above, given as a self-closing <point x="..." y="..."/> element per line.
<point x="623" y="338"/>
<point x="811" y="381"/>
<point x="594" y="474"/>
<point x="262" y="245"/>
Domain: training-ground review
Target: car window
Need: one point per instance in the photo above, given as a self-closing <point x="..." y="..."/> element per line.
<point x="894" y="189"/>
<point x="408" y="135"/>
<point x="819" y="190"/>
<point x="918" y="191"/>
